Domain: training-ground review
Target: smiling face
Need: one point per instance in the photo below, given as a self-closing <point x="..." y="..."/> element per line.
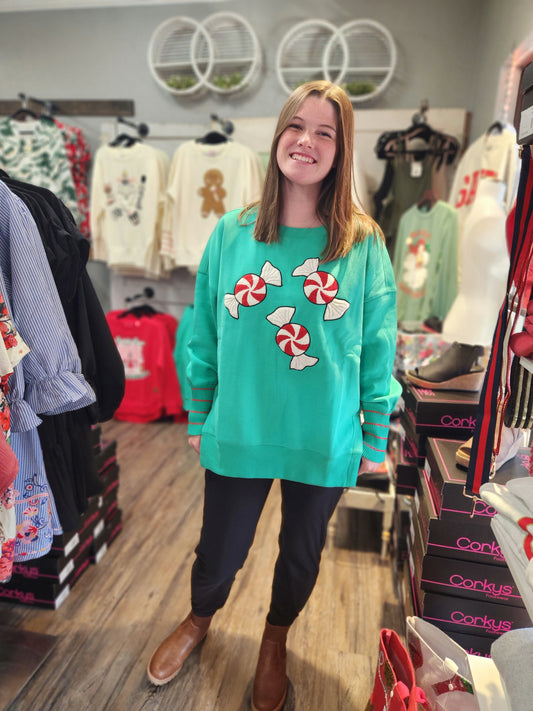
<point x="307" y="147"/>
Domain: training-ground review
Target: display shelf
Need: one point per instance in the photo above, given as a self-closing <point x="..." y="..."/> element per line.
<point x="180" y="56"/>
<point x="236" y="53"/>
<point x="371" y="59"/>
<point x="301" y="54"/>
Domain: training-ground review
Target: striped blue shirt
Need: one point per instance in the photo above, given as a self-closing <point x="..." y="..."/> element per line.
<point x="53" y="381"/>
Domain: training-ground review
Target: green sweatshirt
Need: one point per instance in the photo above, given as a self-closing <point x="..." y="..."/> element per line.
<point x="286" y="355"/>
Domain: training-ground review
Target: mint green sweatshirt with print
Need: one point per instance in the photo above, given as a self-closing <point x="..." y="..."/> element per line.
<point x="288" y="356"/>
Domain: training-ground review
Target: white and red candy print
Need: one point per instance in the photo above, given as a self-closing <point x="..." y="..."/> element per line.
<point x="251" y="289"/>
<point x="321" y="288"/>
<point x="292" y="338"/>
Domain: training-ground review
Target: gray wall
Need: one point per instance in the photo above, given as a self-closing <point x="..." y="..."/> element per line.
<point x="449" y="51"/>
<point x="505" y="26"/>
<point x="101" y="53"/>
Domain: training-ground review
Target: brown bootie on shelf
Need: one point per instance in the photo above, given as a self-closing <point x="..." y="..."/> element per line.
<point x="169" y="657"/>
<point x="456" y="369"/>
<point x="270" y="683"/>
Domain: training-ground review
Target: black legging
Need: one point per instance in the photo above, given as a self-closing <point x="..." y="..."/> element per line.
<point x="232" y="507"/>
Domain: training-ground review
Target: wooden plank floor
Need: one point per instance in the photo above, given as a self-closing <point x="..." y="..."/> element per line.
<point x="126" y="604"/>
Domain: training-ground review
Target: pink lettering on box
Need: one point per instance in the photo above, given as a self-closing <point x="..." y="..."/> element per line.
<point x="490" y="548"/>
<point x="481" y="622"/>
<point x="458" y="422"/>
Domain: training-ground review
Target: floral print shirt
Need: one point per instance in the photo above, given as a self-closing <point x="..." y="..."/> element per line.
<point x="34" y="152"/>
<point x="12" y="350"/>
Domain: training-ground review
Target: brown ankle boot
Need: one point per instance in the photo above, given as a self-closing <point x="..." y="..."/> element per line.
<point x="168" y="658"/>
<point x="270" y="683"/>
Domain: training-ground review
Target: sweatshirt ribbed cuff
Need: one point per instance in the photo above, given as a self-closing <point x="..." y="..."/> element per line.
<point x="375" y="434"/>
<point x="201" y="402"/>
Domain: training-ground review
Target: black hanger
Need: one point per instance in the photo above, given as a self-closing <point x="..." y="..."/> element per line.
<point x="141" y="310"/>
<point x="420" y="130"/>
<point x="23" y="113"/>
<point x="213" y="137"/>
<point x="427" y="200"/>
<point x="496" y="127"/>
<point x="440" y="145"/>
<point x="124" y="139"/>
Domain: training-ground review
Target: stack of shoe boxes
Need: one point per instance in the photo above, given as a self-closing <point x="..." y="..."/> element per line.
<point x="460" y="580"/>
<point x="432" y="413"/>
<point x="455" y="575"/>
<point x="110" y="523"/>
<point x="47" y="581"/>
<point x="424" y="413"/>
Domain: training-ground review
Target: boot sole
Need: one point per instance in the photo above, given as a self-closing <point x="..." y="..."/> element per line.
<point x="161" y="682"/>
<point x="469" y="382"/>
<point x="278" y="707"/>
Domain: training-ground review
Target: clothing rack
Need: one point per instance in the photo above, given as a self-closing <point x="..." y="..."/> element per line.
<point x="146" y="293"/>
<point x="226" y="126"/>
<point x="142" y="128"/>
<point x="51" y="107"/>
<point x="418" y="140"/>
<point x="214" y="135"/>
<point x="72" y="107"/>
<point x="421" y="116"/>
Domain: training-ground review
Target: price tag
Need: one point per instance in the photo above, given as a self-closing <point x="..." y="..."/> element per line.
<point x="526" y="123"/>
<point x="416" y="169"/>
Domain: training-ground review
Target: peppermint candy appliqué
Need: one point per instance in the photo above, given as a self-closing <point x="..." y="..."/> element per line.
<point x="321" y="288"/>
<point x="251" y="289"/>
<point x="292" y="338"/>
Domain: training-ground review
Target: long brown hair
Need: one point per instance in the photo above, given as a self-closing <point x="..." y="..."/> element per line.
<point x="345" y="223"/>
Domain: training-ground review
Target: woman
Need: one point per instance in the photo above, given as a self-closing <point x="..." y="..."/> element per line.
<point x="293" y="340"/>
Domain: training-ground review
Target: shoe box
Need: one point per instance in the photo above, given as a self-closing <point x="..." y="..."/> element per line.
<point x="476" y="581"/>
<point x="401" y="522"/>
<point x="472" y="617"/>
<point x="447" y="482"/>
<point x="456" y="585"/>
<point x="464" y="537"/>
<point x="465" y="567"/>
<point x="474" y="624"/>
<point x="441" y="413"/>
<point x="403" y="459"/>
<point x="469" y="623"/>
<point x="417" y="593"/>
<point x="425" y="511"/>
<point x="96" y="438"/>
<point x="476" y="645"/>
<point x="414" y="442"/>
<point x="29" y="585"/>
<point x="406" y="472"/>
<point x="406" y="595"/>
<point x="469" y="542"/>
<point x="47" y="581"/>
<point x="64" y="544"/>
<point x="112" y="526"/>
<point x="106" y="456"/>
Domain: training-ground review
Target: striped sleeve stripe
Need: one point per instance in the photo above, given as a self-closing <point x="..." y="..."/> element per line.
<point x="376" y="449"/>
<point x="371" y="434"/>
<point x="377" y="412"/>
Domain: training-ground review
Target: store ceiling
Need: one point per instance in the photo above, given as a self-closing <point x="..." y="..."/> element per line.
<point x="26" y="5"/>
